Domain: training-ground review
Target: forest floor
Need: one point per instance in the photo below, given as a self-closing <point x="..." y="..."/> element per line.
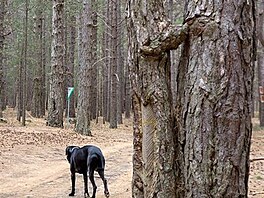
<point x="33" y="163"/>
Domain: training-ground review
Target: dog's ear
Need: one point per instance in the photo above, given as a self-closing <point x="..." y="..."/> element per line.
<point x="68" y="152"/>
<point x="69" y="149"/>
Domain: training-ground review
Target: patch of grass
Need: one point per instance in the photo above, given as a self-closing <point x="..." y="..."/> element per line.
<point x="257" y="128"/>
<point x="258" y="177"/>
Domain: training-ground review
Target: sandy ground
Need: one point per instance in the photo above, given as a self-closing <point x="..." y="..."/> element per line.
<point x="33" y="163"/>
<point x="256" y="178"/>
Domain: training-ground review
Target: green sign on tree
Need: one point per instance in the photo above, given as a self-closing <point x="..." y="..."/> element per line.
<point x="70" y="91"/>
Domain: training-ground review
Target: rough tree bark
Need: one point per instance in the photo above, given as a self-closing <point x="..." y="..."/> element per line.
<point x="214" y="98"/>
<point x="56" y="94"/>
<point x="84" y="74"/>
<point x="137" y="178"/>
<point x="152" y="103"/>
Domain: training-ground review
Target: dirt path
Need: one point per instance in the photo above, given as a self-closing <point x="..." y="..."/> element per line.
<point x="33" y="164"/>
<point x="256" y="177"/>
<point x="44" y="172"/>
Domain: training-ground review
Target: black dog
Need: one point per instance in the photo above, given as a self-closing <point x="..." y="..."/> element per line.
<point x="86" y="159"/>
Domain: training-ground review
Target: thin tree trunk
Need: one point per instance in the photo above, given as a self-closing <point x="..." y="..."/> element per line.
<point x="65" y="58"/>
<point x="105" y="52"/>
<point x="24" y="70"/>
<point x="260" y="58"/>
<point x="2" y="13"/>
<point x="44" y="84"/>
<point x="94" y="64"/>
<point x="114" y="75"/>
<point x="37" y="102"/>
<point x="70" y="83"/>
<point x="56" y="95"/>
<point x="84" y="76"/>
<point x="109" y="55"/>
<point x="120" y="65"/>
<point x="19" y="94"/>
<point x="104" y="61"/>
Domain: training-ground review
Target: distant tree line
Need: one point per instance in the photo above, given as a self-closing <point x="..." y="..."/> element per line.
<point x="46" y="47"/>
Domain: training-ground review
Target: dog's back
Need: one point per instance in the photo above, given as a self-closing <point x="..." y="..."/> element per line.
<point x="95" y="157"/>
<point x="81" y="158"/>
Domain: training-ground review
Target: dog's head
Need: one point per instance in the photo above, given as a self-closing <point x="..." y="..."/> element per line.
<point x="69" y="150"/>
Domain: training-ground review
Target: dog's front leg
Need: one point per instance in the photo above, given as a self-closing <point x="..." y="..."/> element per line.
<point x="86" y="194"/>
<point x="73" y="178"/>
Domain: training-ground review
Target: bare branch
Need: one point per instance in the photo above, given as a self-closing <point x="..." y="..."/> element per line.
<point x="167" y="41"/>
<point x="257" y="159"/>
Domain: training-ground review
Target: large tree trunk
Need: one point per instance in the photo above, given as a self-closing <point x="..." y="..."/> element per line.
<point x="214" y="100"/>
<point x="151" y="82"/>
<point x="208" y="156"/>
<point x="56" y="94"/>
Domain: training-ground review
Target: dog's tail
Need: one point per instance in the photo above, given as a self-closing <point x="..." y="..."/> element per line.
<point x="97" y="161"/>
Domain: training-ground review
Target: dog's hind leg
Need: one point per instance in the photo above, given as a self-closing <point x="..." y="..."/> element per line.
<point x="106" y="192"/>
<point x="91" y="177"/>
<point x="86" y="194"/>
<point x="73" y="184"/>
